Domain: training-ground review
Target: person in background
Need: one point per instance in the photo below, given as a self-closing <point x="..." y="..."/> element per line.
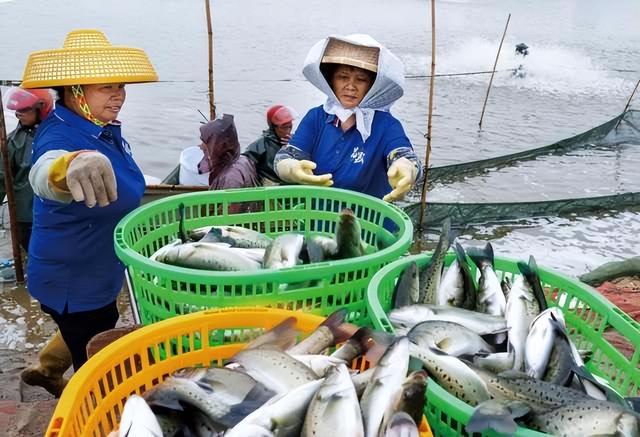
<point x="227" y="168"/>
<point x="263" y="150"/>
<point x="31" y="107"/>
<point x="85" y="180"/>
<point x="352" y="140"/>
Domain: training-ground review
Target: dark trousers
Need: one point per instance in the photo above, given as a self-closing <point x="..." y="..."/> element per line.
<point x="24" y="234"/>
<point x="78" y="328"/>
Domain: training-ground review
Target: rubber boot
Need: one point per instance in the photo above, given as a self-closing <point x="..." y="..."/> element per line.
<point x="55" y="359"/>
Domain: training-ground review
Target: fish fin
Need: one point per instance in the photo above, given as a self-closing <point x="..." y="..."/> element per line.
<point x="634" y="402"/>
<point x="378" y="343"/>
<point x="485" y="416"/>
<point x="182" y="233"/>
<point x="481" y="256"/>
<point x="254" y="399"/>
<point x="583" y="373"/>
<point x="530" y="272"/>
<point x="282" y="336"/>
<point x="214" y="236"/>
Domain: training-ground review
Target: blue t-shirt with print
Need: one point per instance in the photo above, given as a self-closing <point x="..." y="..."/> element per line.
<point x="72" y="261"/>
<point x="355" y="164"/>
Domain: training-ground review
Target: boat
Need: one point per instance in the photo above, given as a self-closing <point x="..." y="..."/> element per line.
<point x="623" y="129"/>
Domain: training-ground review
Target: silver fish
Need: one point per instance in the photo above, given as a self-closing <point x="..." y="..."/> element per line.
<point x="321" y="248"/>
<point x="491" y="299"/>
<point x="236" y="236"/>
<point x="451" y="289"/>
<point x="276" y="370"/>
<point x="225" y="396"/>
<point x="539" y="343"/>
<point x="327" y="334"/>
<point x="452" y="338"/>
<point x="497" y="414"/>
<point x="283" y="415"/>
<point x="496" y="363"/>
<point x="591" y="417"/>
<point x="407" y="290"/>
<point x="452" y="374"/>
<point x="410" y="399"/>
<point x="349" y="236"/>
<point x="520" y="311"/>
<point x="431" y="275"/>
<point x="284" y="251"/>
<point x="385" y="383"/>
<point x="320" y="364"/>
<point x="480" y="323"/>
<point x="209" y="256"/>
<point x="401" y="425"/>
<point x="334" y="409"/>
<point x="138" y="420"/>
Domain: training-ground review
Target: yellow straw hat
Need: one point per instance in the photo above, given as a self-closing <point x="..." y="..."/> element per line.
<point x="343" y="52"/>
<point x="87" y="58"/>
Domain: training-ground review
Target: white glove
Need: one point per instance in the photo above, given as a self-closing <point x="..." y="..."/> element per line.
<point x="402" y="175"/>
<point x="90" y="178"/>
<point x="301" y="172"/>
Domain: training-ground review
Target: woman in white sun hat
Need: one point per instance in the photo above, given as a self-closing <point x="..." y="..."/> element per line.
<point x="352" y="141"/>
<point x="85" y="180"/>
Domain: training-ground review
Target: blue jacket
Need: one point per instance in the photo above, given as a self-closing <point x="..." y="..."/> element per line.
<point x="72" y="261"/>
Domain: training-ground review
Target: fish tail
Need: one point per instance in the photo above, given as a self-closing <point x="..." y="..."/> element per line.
<point x="182" y="233"/>
<point x="481" y="256"/>
<point x="530" y="272"/>
<point x="282" y="336"/>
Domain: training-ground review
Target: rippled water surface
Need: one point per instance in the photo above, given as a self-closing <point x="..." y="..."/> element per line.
<point x="584" y="62"/>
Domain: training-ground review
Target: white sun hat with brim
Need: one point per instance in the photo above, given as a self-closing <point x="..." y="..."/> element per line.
<point x="361" y="51"/>
<point x="87" y="57"/>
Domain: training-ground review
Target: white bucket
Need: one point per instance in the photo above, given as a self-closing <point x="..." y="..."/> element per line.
<point x="189" y="159"/>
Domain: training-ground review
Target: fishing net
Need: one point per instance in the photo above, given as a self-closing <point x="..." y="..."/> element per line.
<point x="622" y="132"/>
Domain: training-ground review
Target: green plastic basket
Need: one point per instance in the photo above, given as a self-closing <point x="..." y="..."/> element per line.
<point x="588" y="315"/>
<point x="161" y="291"/>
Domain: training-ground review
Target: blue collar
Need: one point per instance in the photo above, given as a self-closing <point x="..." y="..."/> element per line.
<point x="82" y="124"/>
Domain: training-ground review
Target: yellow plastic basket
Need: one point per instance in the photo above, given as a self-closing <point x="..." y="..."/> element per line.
<point x="92" y="402"/>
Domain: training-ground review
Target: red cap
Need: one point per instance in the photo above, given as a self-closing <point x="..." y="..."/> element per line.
<point x="278" y="115"/>
<point x="20" y="99"/>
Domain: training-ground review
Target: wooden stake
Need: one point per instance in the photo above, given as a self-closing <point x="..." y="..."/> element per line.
<point x="423" y="199"/>
<point x="8" y="185"/>
<point x="493" y="71"/>
<point x="628" y="103"/>
<point x="212" y="106"/>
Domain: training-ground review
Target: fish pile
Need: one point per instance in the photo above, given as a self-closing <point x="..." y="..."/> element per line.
<point x="500" y="348"/>
<point x="277" y="387"/>
<point x="235" y="248"/>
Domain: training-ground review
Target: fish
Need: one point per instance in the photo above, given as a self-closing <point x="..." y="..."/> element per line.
<point x="385" y="383"/>
<point x="450" y="337"/>
<point x="469" y="288"/>
<point x="518" y="386"/>
<point x="407" y="289"/>
<point x="236" y="236"/>
<point x="430" y="277"/>
<point x="480" y="323"/>
<point x="208" y="256"/>
<point x="365" y="341"/>
<point x="138" y="420"/>
<point x="281" y="336"/>
<point x="182" y="232"/>
<point x="559" y="369"/>
<point x="496" y="363"/>
<point x="491" y="299"/>
<point x="451" y="292"/>
<point x="497" y="414"/>
<point x="320" y="248"/>
<point x="334" y="408"/>
<point x="276" y="370"/>
<point x="284" y="251"/>
<point x="401" y="425"/>
<point x="349" y="236"/>
<point x="282" y="415"/>
<point x="520" y="311"/>
<point x="223" y="395"/>
<point x="330" y="332"/>
<point x="530" y="272"/>
<point x="411" y="399"/>
<point x="539" y="343"/>
<point x="320" y="364"/>
<point x="452" y="374"/>
<point x="589" y="417"/>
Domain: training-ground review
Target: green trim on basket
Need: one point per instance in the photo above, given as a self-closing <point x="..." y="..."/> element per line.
<point x="587" y="314"/>
<point x="162" y="291"/>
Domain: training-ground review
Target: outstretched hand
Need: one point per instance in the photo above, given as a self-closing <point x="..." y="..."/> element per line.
<point x="90" y="178"/>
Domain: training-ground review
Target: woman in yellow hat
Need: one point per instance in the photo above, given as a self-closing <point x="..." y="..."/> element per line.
<point x="85" y="180"/>
<point x="352" y="141"/>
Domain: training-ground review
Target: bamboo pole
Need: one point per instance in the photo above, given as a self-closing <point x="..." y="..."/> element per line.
<point x="8" y="185"/>
<point x="212" y="105"/>
<point x="493" y="71"/>
<point x="423" y="199"/>
<point x="628" y="103"/>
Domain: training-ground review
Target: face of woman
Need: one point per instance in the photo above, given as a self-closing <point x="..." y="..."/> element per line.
<point x="28" y="117"/>
<point x="105" y="100"/>
<point x="350" y="85"/>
